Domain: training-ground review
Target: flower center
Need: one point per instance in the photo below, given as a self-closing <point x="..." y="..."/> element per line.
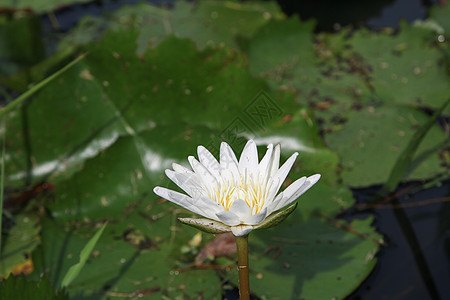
<point x="247" y="189"/>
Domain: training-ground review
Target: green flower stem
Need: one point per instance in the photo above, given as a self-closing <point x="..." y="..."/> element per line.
<point x="242" y="250"/>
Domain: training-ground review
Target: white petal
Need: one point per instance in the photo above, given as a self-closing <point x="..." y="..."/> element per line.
<point x="282" y="173"/>
<point x="307" y="184"/>
<point x="256" y="219"/>
<point x="275" y="160"/>
<point x="228" y="177"/>
<point x="240" y="208"/>
<point x="272" y="190"/>
<point x="188" y="183"/>
<point x="208" y="180"/>
<point x="249" y="158"/>
<point x="294" y="187"/>
<point x="205" y="208"/>
<point x="241" y="230"/>
<point x="228" y="218"/>
<point x="228" y="160"/>
<point x="282" y="198"/>
<point x="265" y="164"/>
<point x="180" y="169"/>
<point x="273" y="206"/>
<point x="208" y="160"/>
<point x="310" y="181"/>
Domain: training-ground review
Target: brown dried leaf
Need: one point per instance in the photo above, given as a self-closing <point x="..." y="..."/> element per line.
<point x="222" y="245"/>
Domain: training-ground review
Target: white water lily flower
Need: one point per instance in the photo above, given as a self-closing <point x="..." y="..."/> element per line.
<point x="240" y="194"/>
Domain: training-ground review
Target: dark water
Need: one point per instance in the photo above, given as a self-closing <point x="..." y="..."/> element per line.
<point x="396" y="275"/>
<point x="331" y="14"/>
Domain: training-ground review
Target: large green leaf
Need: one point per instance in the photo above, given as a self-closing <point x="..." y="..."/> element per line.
<point x="206" y="22"/>
<point x="21" y="42"/>
<point x="134" y="256"/>
<point x="372" y="139"/>
<point x="283" y="51"/>
<point x="307" y="256"/>
<point x="439" y="14"/>
<point x="22" y="239"/>
<point x="405" y="68"/>
<point x="315" y="156"/>
<point x="38" y="6"/>
<point x="19" y="288"/>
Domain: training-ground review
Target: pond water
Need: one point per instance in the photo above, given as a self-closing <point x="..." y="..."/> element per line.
<point x="396" y="275"/>
<point x="374" y="14"/>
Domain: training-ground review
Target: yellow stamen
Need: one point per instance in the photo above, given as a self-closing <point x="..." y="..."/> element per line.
<point x="247" y="189"/>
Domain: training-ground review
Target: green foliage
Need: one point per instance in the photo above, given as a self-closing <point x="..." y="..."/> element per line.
<point x="298" y="259"/>
<point x="22" y="44"/>
<point x="161" y="82"/>
<point x="211" y="23"/>
<point x="406" y="157"/>
<point x="403" y="66"/>
<point x="19" y="243"/>
<point x="439" y="13"/>
<point x="19" y="288"/>
<point x="75" y="270"/>
<point x="2" y="185"/>
<point x="351" y="80"/>
<point x="38" y="6"/>
<point x="19" y="100"/>
<point x="118" y="124"/>
<point x="374" y="138"/>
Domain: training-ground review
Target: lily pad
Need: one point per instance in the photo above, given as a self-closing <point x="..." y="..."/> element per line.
<point x="406" y="67"/>
<point x="135" y="256"/>
<point x="299" y="132"/>
<point x="308" y="255"/>
<point x="21" y="42"/>
<point x="38" y="6"/>
<point x="439" y="14"/>
<point x="284" y="53"/>
<point x="209" y="23"/>
<point x="18" y="245"/>
<point x="41" y="289"/>
<point x="373" y="138"/>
